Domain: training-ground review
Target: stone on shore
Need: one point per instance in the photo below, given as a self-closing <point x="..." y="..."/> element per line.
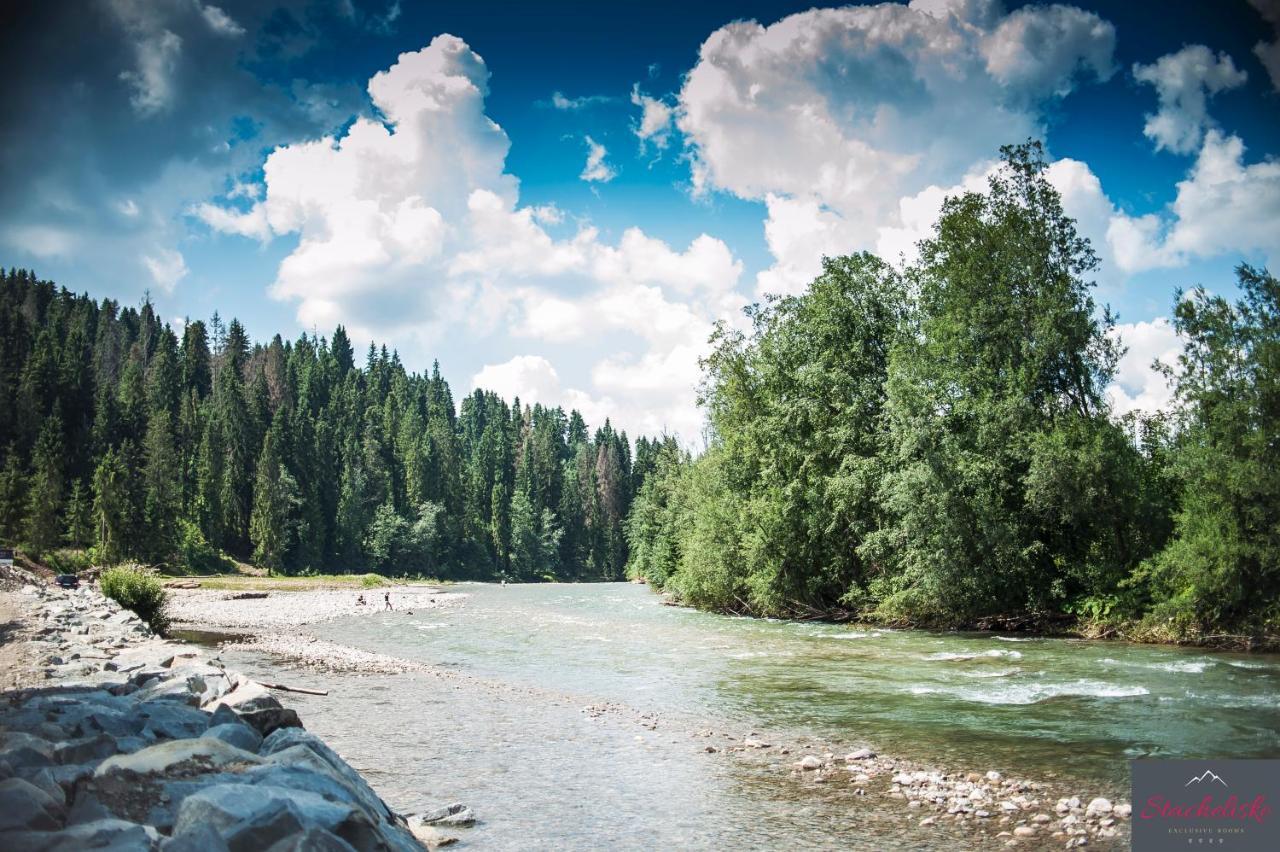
<point x="23" y="805"/>
<point x="1098" y="807"/>
<point x="159" y="759"/>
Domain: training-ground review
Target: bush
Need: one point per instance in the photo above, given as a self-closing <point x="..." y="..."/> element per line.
<point x="135" y="589"/>
<point x="372" y="581"/>
<point x="67" y="561"/>
<point x="195" y="554"/>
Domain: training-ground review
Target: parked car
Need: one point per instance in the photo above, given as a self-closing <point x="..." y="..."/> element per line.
<point x="67" y="581"/>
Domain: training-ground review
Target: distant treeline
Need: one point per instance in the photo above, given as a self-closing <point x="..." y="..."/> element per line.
<point x="118" y="436"/>
<point x="933" y="446"/>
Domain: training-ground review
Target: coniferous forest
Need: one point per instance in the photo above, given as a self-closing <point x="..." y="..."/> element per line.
<point x="928" y="445"/>
<point x="119" y="436"/>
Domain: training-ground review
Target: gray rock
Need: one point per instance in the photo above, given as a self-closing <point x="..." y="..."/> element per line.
<point x="43" y="778"/>
<point x="200" y="838"/>
<point x="237" y="734"/>
<point x="25" y="807"/>
<point x="157" y="759"/>
<point x="20" y="749"/>
<point x="288" y="738"/>
<point x="86" y="749"/>
<point x="68" y="776"/>
<point x="224" y="715"/>
<point x="269" y="720"/>
<point x="109" y="835"/>
<point x="461" y="819"/>
<point x="167" y="720"/>
<point x="253" y="817"/>
<point x="312" y="840"/>
<point x="437" y="814"/>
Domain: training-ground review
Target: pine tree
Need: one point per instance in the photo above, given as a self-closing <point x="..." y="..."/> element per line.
<point x="162" y="504"/>
<point x="110" y="507"/>
<point x="274" y="495"/>
<point x="45" y="499"/>
<point x="79" y="515"/>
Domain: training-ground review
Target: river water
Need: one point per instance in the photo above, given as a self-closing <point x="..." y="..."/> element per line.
<point x="577" y="716"/>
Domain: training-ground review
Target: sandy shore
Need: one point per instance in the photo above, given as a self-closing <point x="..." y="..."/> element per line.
<point x="234" y="611"/>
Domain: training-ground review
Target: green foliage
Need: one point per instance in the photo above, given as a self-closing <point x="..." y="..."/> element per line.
<point x="195" y="554"/>
<point x="1222" y="569"/>
<point x="135" y="589"/>
<point x="44" y="525"/>
<point x="372" y="581"/>
<point x="67" y="561"/>
<point x="934" y="447"/>
<point x="117" y="434"/>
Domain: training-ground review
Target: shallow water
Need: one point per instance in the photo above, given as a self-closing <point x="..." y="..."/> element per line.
<point x="509" y="735"/>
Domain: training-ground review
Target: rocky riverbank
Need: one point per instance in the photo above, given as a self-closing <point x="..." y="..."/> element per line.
<point x="118" y="738"/>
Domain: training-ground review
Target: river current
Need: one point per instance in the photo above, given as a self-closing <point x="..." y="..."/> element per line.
<point x="579" y="715"/>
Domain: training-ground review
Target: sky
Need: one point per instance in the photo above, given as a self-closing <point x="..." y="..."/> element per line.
<point x="559" y="201"/>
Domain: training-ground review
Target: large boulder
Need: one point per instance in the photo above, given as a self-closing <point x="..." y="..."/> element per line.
<point x="107" y="835"/>
<point x="25" y="807"/>
<point x="253" y="817"/>
<point x="158" y="759"/>
<point x="237" y="734"/>
<point x="86" y="749"/>
<point x="20" y="749"/>
<point x="171" y="721"/>
<point x="312" y="840"/>
<point x="275" y="746"/>
<point x="258" y="707"/>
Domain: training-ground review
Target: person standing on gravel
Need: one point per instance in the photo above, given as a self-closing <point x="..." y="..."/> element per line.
<point x="386" y="596"/>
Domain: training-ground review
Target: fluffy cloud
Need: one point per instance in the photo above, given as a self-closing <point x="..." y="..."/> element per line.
<point x="564" y="103"/>
<point x="656" y="119"/>
<point x="409" y="227"/>
<point x="1268" y="53"/>
<point x="167" y="268"/>
<point x="1138" y="386"/>
<point x="220" y="22"/>
<point x="532" y="378"/>
<point x="1184" y="82"/>
<point x="833" y="114"/>
<point x="1221" y="206"/>
<point x="596" y="169"/>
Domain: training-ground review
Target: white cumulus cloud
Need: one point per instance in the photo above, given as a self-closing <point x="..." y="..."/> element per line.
<point x="1184" y="82"/>
<point x="596" y="169"/>
<point x="167" y="267"/>
<point x="834" y="115"/>
<point x="656" y="119"/>
<point x="1138" y="385"/>
<point x="409" y="229"/>
<point x="1222" y="206"/>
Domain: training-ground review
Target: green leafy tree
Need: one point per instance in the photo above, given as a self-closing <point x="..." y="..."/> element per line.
<point x="1221" y="571"/>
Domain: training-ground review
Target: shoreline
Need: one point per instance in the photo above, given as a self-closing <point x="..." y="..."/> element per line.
<point x="111" y="735"/>
<point x="1013" y="811"/>
<point x="1021" y="627"/>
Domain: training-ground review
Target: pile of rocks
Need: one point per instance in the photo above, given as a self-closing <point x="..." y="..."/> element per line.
<point x="1017" y="810"/>
<point x="133" y="742"/>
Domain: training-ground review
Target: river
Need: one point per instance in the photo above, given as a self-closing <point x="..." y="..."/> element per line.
<point x="580" y="714"/>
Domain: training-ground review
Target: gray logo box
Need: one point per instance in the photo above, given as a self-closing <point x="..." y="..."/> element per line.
<point x="1229" y="805"/>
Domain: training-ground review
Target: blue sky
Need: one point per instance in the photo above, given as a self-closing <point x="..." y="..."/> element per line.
<point x="558" y="200"/>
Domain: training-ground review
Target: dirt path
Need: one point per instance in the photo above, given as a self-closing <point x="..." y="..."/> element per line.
<point x="17" y="662"/>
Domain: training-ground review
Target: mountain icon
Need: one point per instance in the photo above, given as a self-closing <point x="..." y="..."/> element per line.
<point x="1209" y="774"/>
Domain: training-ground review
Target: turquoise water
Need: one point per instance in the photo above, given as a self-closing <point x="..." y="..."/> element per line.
<point x="508" y="734"/>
